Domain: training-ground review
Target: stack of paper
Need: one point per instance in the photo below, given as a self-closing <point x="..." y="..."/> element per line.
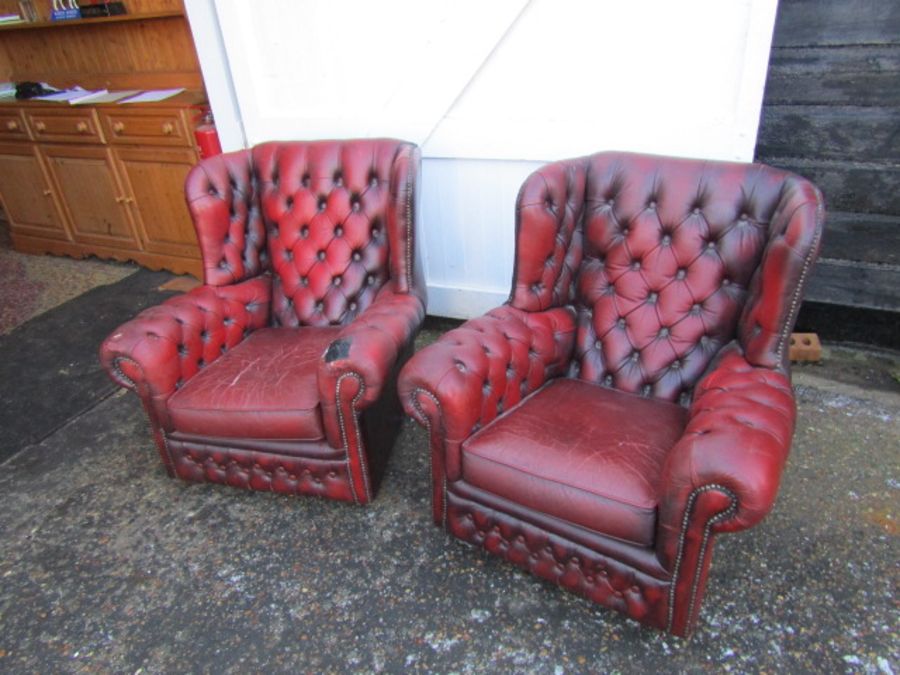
<point x="103" y="96"/>
<point x="153" y="95"/>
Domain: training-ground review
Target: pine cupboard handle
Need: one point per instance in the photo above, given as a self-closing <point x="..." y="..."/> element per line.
<point x="12" y="125"/>
<point x="40" y="126"/>
<point x="82" y="127"/>
<point x="168" y="128"/>
<point x="48" y="192"/>
<point x="119" y="127"/>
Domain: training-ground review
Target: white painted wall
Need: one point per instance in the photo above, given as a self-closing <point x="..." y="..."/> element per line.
<point x="490" y="90"/>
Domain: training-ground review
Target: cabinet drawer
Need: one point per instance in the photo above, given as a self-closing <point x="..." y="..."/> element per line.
<point x="68" y="126"/>
<point x="12" y="125"/>
<point x="146" y="128"/>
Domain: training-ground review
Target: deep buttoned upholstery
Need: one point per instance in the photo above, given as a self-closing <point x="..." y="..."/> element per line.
<point x="279" y="372"/>
<point x="632" y="398"/>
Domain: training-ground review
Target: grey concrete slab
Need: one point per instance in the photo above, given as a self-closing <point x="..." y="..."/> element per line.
<point x="107" y="565"/>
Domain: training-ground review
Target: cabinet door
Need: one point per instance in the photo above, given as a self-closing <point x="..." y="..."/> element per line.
<point x="92" y="195"/>
<point x="26" y="193"/>
<point x="154" y="182"/>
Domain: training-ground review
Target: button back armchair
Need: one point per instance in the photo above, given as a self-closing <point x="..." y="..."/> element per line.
<point x="279" y="373"/>
<point x="632" y="398"/>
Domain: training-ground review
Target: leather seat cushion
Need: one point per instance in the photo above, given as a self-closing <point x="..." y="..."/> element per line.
<point x="586" y="454"/>
<point x="265" y="387"/>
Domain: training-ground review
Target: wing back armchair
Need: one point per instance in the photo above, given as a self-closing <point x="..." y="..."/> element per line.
<point x="279" y="373"/>
<point x="632" y="399"/>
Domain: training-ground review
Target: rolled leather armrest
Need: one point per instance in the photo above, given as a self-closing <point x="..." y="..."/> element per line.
<point x="736" y="442"/>
<point x="487" y="365"/>
<point x="164" y="346"/>
<point x="368" y="347"/>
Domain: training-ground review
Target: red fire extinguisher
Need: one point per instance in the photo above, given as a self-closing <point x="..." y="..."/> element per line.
<point x="206" y="136"/>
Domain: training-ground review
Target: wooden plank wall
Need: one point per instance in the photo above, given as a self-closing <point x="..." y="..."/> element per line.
<point x="831" y="112"/>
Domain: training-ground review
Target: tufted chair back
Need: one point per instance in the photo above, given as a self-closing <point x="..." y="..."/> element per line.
<point x="332" y="221"/>
<point x="665" y="261"/>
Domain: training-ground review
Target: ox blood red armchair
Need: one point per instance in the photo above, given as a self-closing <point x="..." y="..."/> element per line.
<point x="632" y="398"/>
<point x="279" y="373"/>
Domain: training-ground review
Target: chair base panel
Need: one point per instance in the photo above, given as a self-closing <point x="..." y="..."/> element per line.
<point x="571" y="565"/>
<point x="238" y="467"/>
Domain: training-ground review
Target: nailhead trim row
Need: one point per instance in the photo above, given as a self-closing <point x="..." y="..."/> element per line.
<point x="359" y="444"/>
<point x="801" y="283"/>
<point x="732" y="508"/>
<point x="414" y="401"/>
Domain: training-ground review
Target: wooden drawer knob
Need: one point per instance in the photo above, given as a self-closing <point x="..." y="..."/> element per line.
<point x="168" y="129"/>
<point x="47" y="193"/>
<point x="12" y="125"/>
<point x="40" y="126"/>
<point x="82" y="127"/>
<point x="119" y="127"/>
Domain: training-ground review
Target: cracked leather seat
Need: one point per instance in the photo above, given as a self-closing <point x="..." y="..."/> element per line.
<point x="632" y="398"/>
<point x="279" y="373"/>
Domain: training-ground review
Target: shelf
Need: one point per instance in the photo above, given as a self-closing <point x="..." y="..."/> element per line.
<point x="120" y="18"/>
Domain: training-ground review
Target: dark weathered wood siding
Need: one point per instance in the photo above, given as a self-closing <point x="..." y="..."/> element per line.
<point x="831" y="112"/>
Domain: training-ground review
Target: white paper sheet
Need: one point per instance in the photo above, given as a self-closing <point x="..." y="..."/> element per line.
<point x="88" y="96"/>
<point x="153" y="95"/>
<point x="65" y="95"/>
<point x="104" y="97"/>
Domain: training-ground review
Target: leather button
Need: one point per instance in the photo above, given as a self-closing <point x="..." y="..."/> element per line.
<point x="598" y="345"/>
<point x="337" y="281"/>
<point x="667" y="239"/>
<point x="338" y="231"/>
<point x="304" y="231"/>
<point x="621" y="323"/>
<point x="357" y="256"/>
<point x="681" y="274"/>
<point x="370" y="279"/>
<point x="320" y="255"/>
<point x="352" y="306"/>
<point x="322" y="203"/>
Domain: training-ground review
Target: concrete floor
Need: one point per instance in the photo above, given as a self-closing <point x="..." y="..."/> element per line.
<point x="107" y="565"/>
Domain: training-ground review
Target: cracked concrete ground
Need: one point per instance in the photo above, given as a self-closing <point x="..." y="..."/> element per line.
<point x="107" y="565"/>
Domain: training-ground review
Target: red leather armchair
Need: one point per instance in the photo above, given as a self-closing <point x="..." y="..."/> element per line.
<point x="632" y="398"/>
<point x="279" y="373"/>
